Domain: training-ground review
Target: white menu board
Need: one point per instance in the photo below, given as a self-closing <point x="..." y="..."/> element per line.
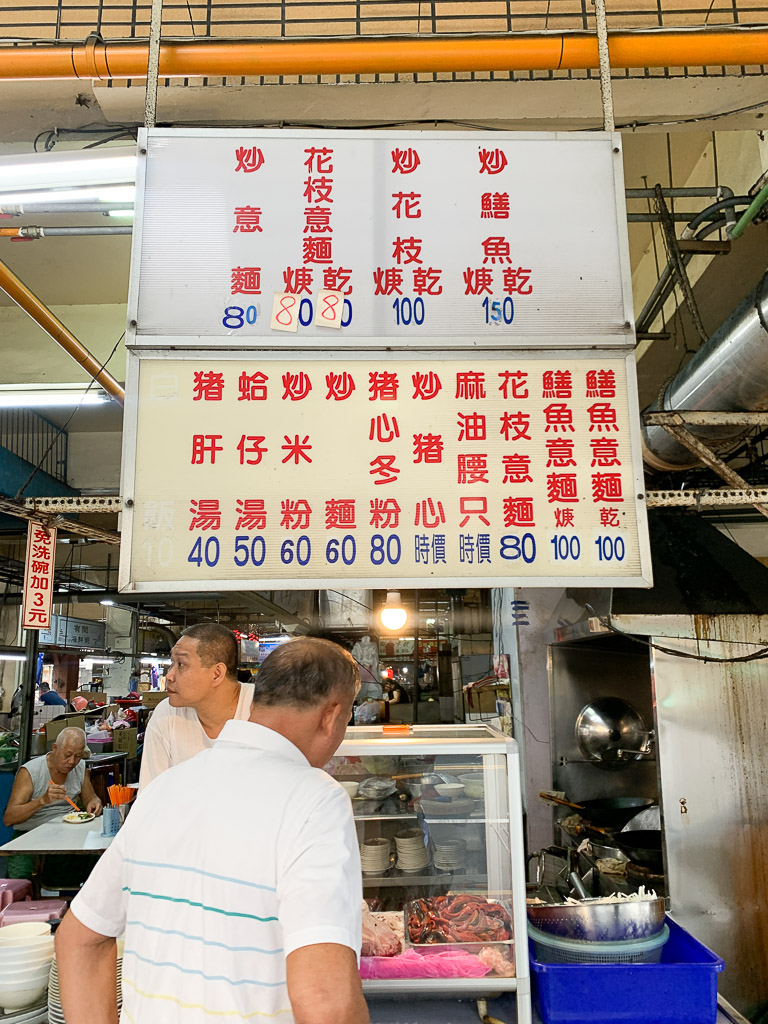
<point x="382" y="469"/>
<point x="423" y="239"/>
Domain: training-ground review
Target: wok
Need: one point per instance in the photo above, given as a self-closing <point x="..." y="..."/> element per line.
<point x="611" y="812"/>
<point x="643" y="847"/>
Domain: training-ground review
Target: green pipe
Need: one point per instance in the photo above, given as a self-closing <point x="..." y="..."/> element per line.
<point x="750" y="213"/>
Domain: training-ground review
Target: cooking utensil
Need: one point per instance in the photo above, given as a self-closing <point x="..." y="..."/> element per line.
<point x="643" y="847"/>
<point x="601" y="852"/>
<point x="591" y="921"/>
<point x="610" y="733"/>
<point x="610" y="811"/>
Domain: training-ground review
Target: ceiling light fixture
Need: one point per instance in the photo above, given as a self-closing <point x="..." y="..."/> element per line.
<point x="41" y="396"/>
<point x="393" y="616"/>
<point x="67" y="170"/>
<point x="13" y="657"/>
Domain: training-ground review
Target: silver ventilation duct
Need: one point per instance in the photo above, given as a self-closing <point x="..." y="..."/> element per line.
<point x="729" y="373"/>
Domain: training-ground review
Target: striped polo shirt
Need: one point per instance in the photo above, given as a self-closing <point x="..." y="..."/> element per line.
<point x="226" y="865"/>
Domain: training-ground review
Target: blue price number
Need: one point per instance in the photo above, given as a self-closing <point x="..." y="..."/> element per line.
<point x="301" y="549"/>
<point x="610" y="549"/>
<point x="249" y="549"/>
<point x="210" y="553"/>
<point x="408" y="311"/>
<point x="236" y="316"/>
<point x="514" y="547"/>
<point x="565" y="546"/>
<point x="385" y="549"/>
<point x="496" y="311"/>
<point x="345" y="547"/>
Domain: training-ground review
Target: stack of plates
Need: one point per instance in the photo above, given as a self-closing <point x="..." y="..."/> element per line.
<point x="33" y="1015"/>
<point x="450" y="854"/>
<point x="55" y="1012"/>
<point x="374" y="856"/>
<point x="412" y="852"/>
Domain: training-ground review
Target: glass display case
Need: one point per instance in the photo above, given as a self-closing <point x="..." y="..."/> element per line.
<point x="439" y="820"/>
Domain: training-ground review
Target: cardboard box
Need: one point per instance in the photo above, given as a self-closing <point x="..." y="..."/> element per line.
<point x="125" y="739"/>
<point x="97" y="696"/>
<point x="73" y="721"/>
<point x="151" y="700"/>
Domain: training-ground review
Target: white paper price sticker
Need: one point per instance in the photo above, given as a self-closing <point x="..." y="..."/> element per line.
<point x="285" y="312"/>
<point x="329" y="309"/>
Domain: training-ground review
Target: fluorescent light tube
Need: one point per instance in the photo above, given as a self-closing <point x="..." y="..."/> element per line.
<point x="67" y="170"/>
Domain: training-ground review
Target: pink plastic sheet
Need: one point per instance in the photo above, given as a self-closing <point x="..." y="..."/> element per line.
<point x="443" y="964"/>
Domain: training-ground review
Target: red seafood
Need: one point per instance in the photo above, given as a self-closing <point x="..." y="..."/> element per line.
<point x="463" y="918"/>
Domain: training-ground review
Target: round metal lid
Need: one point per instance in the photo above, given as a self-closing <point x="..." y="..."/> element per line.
<point x="607" y="726"/>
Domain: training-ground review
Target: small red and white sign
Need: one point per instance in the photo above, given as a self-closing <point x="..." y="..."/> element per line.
<point x="38" y="576"/>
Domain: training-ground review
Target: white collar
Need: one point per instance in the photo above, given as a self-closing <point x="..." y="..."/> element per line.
<point x="260" y="737"/>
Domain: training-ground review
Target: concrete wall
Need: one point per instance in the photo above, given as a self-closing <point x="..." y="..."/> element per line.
<point x="94" y="459"/>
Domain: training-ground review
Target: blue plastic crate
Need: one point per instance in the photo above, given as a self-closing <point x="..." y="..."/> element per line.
<point x="682" y="989"/>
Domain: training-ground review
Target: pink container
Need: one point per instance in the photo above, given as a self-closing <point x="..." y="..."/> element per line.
<point x="32" y="910"/>
<point x="13" y="890"/>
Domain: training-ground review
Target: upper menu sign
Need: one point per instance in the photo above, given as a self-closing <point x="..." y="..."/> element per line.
<point x="294" y="239"/>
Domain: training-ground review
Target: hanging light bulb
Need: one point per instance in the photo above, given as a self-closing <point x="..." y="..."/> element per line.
<point x="393" y="616"/>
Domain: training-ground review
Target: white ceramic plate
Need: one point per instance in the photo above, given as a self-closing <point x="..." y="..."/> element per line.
<point x="78" y="817"/>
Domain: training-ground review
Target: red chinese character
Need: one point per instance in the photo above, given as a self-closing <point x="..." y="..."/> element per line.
<point x="340" y="514"/>
<point x="405" y="161"/>
<point x="319" y="160"/>
<point x="494" y="205"/>
<point x="251" y="514"/>
<point x="496" y="249"/>
<point x="383" y="386"/>
<point x="39" y="551"/>
<point x="296" y="386"/>
<point x="246" y="281"/>
<point x="295" y="514"/>
<point x="37" y="567"/>
<point x="387" y="281"/>
<point x="478" y="281"/>
<point x="560" y="453"/>
<point x="472" y="469"/>
<point x="296" y="449"/>
<point x="297" y="280"/>
<point x="561" y="487"/>
<point x="469" y="507"/>
<point x="317" y="250"/>
<point x="205" y="444"/>
<point x="517" y="469"/>
<point x="605" y="451"/>
<point x="558" y="418"/>
<point x="39" y="583"/>
<point x="247" y="219"/>
<point x="471" y="426"/>
<point x="205" y="514"/>
<point x="340" y="386"/>
<point x="384" y="467"/>
<point x="208" y="386"/>
<point x="37" y="617"/>
<point x="426" y="385"/>
<point x="381" y="430"/>
<point x="252" y="447"/>
<point x="427" y="515"/>
<point x="407" y="205"/>
<point x="428" y="448"/>
<point x="41" y="535"/>
<point x="317" y="219"/>
<point x="519" y="422"/>
<point x="492" y="161"/>
<point x="427" y="281"/>
<point x="517" y="379"/>
<point x="336" y="279"/>
<point x="601" y="384"/>
<point x="253" y="387"/>
<point x="602" y="416"/>
<point x="564" y="517"/>
<point x="556" y="384"/>
<point x="318" y="190"/>
<point x="248" y="160"/>
<point x="470" y="385"/>
<point x="406" y="250"/>
<point x="385" y="514"/>
<point x="609" y="517"/>
<point x="516" y="280"/>
<point x="518" y="512"/>
<point x="606" y="487"/>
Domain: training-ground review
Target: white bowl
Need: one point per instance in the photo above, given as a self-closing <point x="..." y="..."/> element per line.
<point x="23" y="958"/>
<point x="451" y="789"/>
<point x="33" y="943"/>
<point x="29" y="974"/>
<point x="17" y="996"/>
<point x="24" y="930"/>
<point x="351" y="787"/>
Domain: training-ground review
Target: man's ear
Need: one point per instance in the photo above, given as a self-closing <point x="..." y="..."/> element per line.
<point x="219" y="673"/>
<point x="329" y="716"/>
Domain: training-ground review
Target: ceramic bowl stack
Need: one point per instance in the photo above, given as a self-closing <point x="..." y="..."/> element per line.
<point x="55" y="1012"/>
<point x="375" y="856"/>
<point x="412" y="851"/>
<point x="450" y="854"/>
<point x="26" y="952"/>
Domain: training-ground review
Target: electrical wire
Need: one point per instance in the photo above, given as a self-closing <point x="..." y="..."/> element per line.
<point x="755" y="656"/>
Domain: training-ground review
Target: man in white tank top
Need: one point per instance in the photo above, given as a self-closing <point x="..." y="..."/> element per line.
<point x="203" y="695"/>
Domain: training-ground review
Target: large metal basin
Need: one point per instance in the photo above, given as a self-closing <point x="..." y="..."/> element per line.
<point x="600" y="922"/>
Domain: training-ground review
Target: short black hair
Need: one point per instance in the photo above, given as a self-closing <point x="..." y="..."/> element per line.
<point x="304" y="672"/>
<point x="215" y="644"/>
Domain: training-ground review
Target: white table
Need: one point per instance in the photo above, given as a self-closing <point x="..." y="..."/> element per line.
<point x="60" y="837"/>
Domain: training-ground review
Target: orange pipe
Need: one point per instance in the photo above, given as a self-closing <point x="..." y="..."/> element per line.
<point x="42" y="316"/>
<point x="526" y="52"/>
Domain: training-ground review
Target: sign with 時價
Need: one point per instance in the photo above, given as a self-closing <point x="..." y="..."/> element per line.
<point x="301" y="239"/>
<point x="304" y="470"/>
<point x="38" y="576"/>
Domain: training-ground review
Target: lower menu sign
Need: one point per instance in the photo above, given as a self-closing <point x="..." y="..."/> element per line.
<point x="381" y="470"/>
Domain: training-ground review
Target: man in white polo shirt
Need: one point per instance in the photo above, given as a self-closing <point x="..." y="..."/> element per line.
<point x="236" y="877"/>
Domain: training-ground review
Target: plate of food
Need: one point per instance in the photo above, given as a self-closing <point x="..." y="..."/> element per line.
<point x="78" y="817"/>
